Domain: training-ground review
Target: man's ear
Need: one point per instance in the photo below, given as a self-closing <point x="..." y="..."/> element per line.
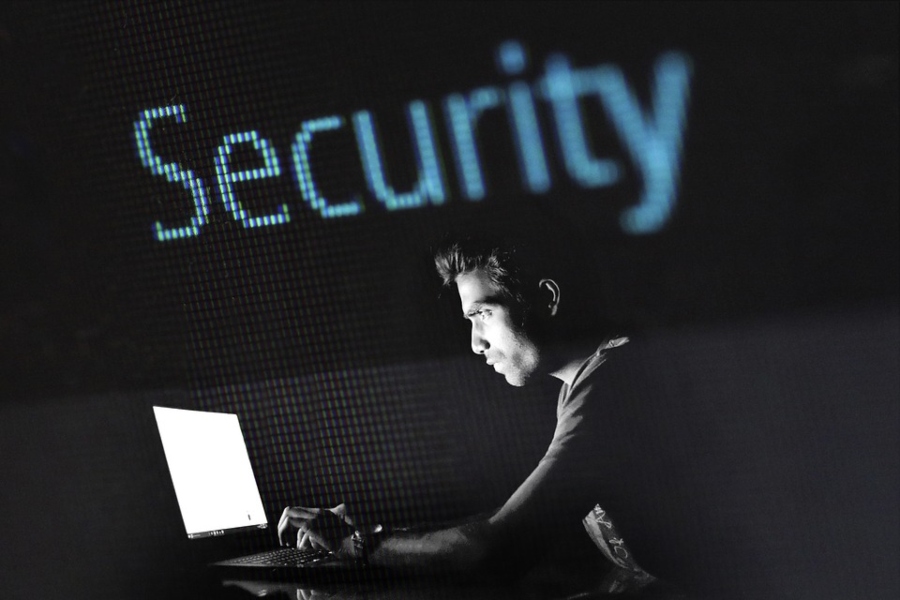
<point x="549" y="296"/>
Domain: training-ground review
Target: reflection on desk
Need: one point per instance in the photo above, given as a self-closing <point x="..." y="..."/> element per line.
<point x="418" y="590"/>
<point x="369" y="591"/>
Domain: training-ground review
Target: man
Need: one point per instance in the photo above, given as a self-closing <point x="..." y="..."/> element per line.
<point x="628" y="462"/>
<point x="522" y="317"/>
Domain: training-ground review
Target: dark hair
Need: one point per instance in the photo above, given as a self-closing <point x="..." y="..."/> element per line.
<point x="491" y="257"/>
<point x="516" y="256"/>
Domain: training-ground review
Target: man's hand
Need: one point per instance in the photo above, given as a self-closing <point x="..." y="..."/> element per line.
<point x="317" y="528"/>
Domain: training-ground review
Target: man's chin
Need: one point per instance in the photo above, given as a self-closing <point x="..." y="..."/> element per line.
<point x="516" y="380"/>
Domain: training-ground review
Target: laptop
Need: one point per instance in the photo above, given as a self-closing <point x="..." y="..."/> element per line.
<point x="218" y="495"/>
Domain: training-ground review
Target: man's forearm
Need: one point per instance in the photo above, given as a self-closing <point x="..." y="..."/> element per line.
<point x="428" y="527"/>
<point x="463" y="549"/>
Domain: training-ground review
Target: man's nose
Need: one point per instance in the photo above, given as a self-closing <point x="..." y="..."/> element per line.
<point x="479" y="343"/>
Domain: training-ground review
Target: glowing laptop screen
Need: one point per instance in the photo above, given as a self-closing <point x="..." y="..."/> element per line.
<point x="211" y="471"/>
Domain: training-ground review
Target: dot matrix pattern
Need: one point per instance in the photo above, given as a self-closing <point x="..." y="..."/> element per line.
<point x="226" y="178"/>
<point x="172" y="172"/>
<point x="395" y="443"/>
<point x="303" y="170"/>
<point x="395" y="438"/>
<point x="653" y="139"/>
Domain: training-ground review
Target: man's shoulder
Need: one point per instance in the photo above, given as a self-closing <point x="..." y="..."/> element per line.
<point x="609" y="353"/>
<point x="606" y="375"/>
<point x="616" y="342"/>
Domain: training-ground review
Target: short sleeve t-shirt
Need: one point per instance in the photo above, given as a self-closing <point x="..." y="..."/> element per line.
<point x="571" y="417"/>
<point x="634" y="458"/>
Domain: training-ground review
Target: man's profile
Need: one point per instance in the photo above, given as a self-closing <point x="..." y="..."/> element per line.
<point x="531" y="314"/>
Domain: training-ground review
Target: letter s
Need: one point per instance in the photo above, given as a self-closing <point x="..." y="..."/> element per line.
<point x="171" y="171"/>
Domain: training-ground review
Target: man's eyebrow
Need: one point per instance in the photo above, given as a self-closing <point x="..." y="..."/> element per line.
<point x="477" y="305"/>
<point x="474" y="308"/>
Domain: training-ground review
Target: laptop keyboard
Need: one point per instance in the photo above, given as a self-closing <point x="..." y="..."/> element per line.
<point x="281" y="557"/>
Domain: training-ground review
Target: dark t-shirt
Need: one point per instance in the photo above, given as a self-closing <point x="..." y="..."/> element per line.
<point x="627" y="449"/>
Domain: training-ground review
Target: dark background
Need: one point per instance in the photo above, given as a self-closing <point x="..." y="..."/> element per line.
<point x="775" y="282"/>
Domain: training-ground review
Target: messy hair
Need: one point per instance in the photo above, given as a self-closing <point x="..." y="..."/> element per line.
<point x="517" y="256"/>
<point x="495" y="261"/>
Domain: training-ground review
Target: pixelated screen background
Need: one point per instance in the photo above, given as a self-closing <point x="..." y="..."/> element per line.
<point x="768" y="284"/>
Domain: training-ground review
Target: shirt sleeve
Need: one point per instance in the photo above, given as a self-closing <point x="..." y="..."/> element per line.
<point x="563" y="486"/>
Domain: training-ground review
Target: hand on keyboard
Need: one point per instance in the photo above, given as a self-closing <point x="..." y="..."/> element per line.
<point x="317" y="528"/>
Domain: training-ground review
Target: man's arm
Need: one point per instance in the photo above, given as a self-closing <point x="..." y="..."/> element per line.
<point x="544" y="509"/>
<point x="464" y="549"/>
<point x="548" y="507"/>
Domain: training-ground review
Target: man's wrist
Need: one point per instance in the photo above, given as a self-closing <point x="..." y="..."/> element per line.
<point x="363" y="543"/>
<point x="346" y="551"/>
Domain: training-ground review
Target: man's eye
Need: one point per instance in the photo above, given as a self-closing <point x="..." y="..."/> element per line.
<point x="481" y="313"/>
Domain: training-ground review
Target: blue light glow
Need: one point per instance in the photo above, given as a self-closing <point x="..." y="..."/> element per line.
<point x="430" y="186"/>
<point x="227" y="178"/>
<point x="529" y="146"/>
<point x="463" y="114"/>
<point x="303" y="172"/>
<point x="511" y="57"/>
<point x="651" y="136"/>
<point x="653" y="141"/>
<point x="563" y="88"/>
<point x="172" y="172"/>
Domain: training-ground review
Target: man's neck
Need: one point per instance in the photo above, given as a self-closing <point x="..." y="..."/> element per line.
<point x="569" y="360"/>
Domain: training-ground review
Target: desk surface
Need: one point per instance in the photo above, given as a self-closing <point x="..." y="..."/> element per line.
<point x="411" y="590"/>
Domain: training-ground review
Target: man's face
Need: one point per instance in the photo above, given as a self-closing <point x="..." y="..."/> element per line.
<point x="495" y="333"/>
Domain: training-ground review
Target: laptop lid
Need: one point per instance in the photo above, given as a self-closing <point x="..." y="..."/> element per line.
<point x="211" y="472"/>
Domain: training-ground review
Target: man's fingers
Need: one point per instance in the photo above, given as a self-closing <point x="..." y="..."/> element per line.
<point x="302" y="540"/>
<point x="316" y="527"/>
<point x="316" y="541"/>
<point x="302" y="511"/>
<point x="294" y="515"/>
<point x="308" y="537"/>
<point x="282" y="525"/>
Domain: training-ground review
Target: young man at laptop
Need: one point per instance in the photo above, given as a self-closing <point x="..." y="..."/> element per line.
<point x="621" y="463"/>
